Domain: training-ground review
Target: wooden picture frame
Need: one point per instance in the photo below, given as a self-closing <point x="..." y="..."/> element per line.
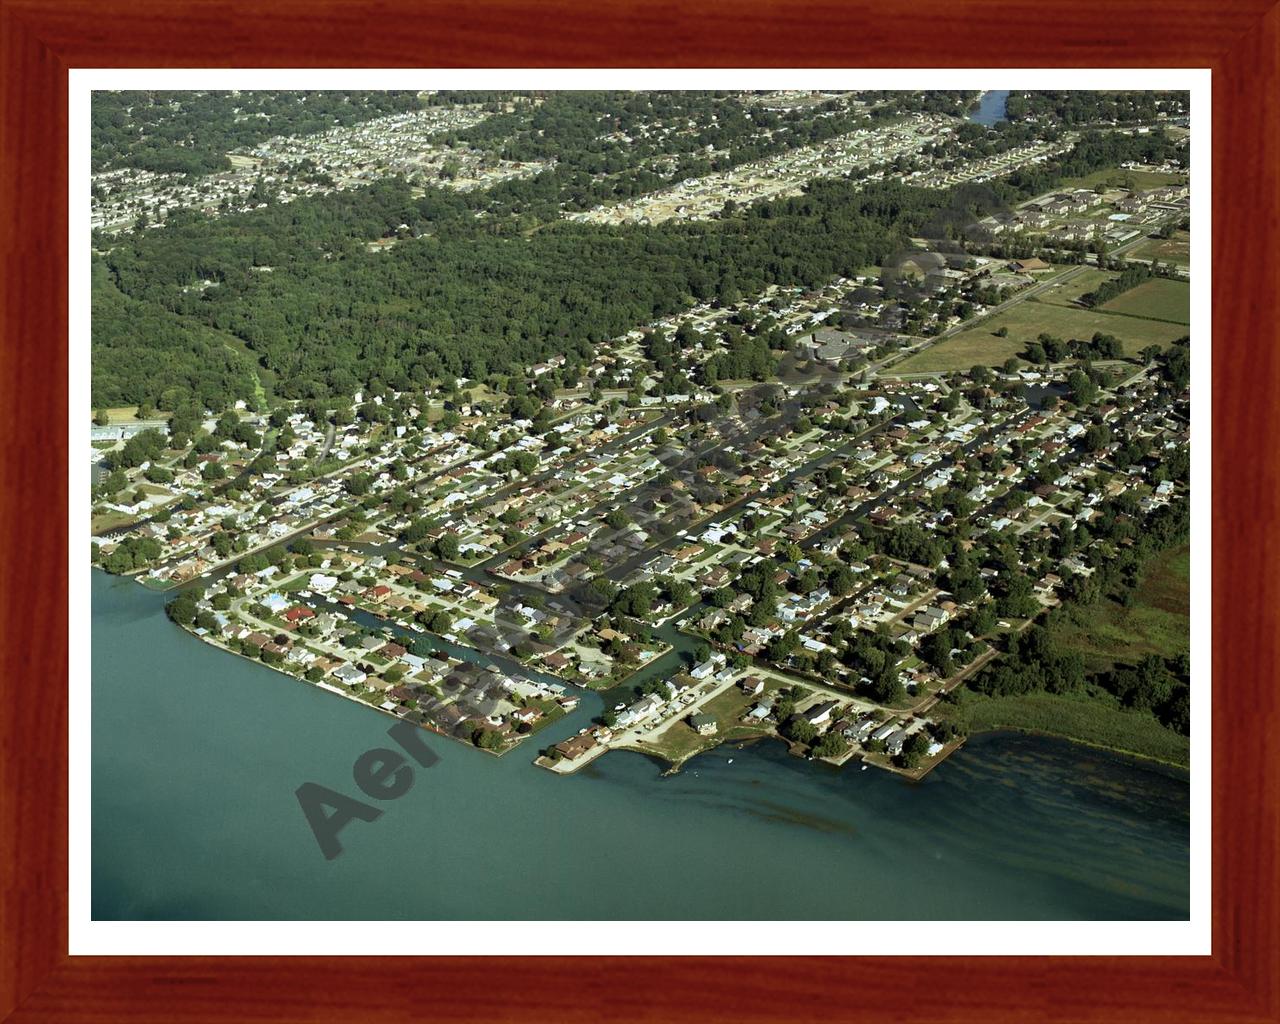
<point x="42" y="39"/>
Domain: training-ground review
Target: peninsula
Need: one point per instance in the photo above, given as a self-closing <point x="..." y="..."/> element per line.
<point x="839" y="418"/>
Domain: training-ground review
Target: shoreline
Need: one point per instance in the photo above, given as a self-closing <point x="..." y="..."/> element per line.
<point x="1132" y="755"/>
<point x="674" y="767"/>
<point x="330" y="688"/>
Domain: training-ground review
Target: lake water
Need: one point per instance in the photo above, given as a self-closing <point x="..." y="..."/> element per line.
<point x="991" y="107"/>
<point x="197" y="753"/>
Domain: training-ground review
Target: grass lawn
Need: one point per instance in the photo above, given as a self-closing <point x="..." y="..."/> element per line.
<point x="1158" y="621"/>
<point x="1096" y="720"/>
<point x="1160" y="297"/>
<point x="1026" y="321"/>
<point x="1177" y="249"/>
<point x="679" y="740"/>
<point x="551" y="711"/>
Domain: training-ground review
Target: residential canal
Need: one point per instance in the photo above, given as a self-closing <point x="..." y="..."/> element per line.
<point x="197" y="753"/>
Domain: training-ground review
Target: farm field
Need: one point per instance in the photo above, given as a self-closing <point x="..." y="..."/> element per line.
<point x="1028" y="320"/>
<point x="1160" y="298"/>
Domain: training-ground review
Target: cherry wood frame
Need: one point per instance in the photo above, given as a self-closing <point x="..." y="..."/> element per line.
<point x="41" y="39"/>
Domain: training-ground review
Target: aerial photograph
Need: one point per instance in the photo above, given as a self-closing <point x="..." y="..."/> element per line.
<point x="640" y="505"/>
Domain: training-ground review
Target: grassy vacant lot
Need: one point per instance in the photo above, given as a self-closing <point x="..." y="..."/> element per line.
<point x="1116" y="176"/>
<point x="1161" y="298"/>
<point x="1026" y="321"/>
<point x="974" y="347"/>
<point x="1096" y="720"/>
<point x="1157" y="622"/>
<point x="108" y="521"/>
<point x="122" y="414"/>
<point x="1177" y="249"/>
<point x="1067" y="292"/>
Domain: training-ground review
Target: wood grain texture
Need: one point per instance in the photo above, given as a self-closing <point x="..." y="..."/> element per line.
<point x="39" y="41"/>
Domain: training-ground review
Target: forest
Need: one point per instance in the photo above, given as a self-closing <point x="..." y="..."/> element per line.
<point x="1076" y="106"/>
<point x="459" y="300"/>
<point x="467" y="292"/>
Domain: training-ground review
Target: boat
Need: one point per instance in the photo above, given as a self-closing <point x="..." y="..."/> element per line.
<point x="731" y="760"/>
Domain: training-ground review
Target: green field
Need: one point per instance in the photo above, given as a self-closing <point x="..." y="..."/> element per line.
<point x="1026" y="321"/>
<point x="1067" y="292"/>
<point x="1115" y="176"/>
<point x="1092" y="719"/>
<point x="1158" y="621"/>
<point x="1176" y="249"/>
<point x="1161" y="298"/>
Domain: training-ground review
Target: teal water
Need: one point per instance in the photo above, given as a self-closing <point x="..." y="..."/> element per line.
<point x="197" y="753"/>
<point x="991" y="107"/>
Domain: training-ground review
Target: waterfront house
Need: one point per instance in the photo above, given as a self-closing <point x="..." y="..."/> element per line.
<point x="704" y="670"/>
<point x="704" y="725"/>
<point x="574" y="747"/>
<point x="349" y="674"/>
<point x="762" y="710"/>
<point x="895" y="741"/>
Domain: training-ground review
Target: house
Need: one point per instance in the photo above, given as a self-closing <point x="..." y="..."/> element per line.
<point x="704" y="670"/>
<point x="929" y="618"/>
<point x="298" y="613"/>
<point x="574" y="747"/>
<point x="762" y="710"/>
<point x="378" y="594"/>
<point x="1030" y="266"/>
<point x="864" y="729"/>
<point x="752" y="686"/>
<point x="820" y="713"/>
<point x="639" y="711"/>
<point x="349" y="674"/>
<point x="704" y="725"/>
